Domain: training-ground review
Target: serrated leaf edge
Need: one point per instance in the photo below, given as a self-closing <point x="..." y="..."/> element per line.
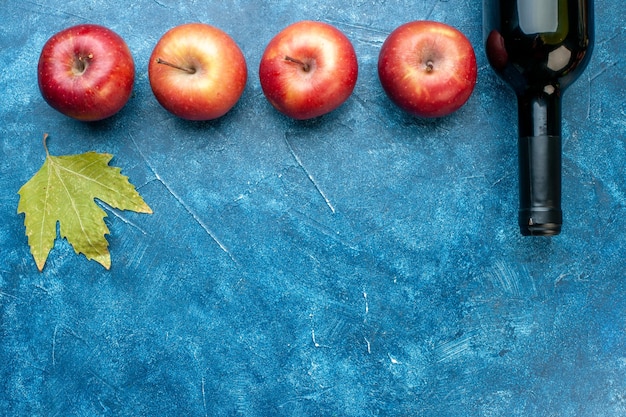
<point x="105" y="258"/>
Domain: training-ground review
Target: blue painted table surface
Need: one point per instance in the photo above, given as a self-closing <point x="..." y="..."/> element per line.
<point x="366" y="263"/>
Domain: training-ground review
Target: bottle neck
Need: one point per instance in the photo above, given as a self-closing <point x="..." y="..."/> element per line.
<point x="540" y="114"/>
<point x="539" y="148"/>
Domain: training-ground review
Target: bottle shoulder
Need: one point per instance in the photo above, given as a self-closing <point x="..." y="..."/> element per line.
<point x="535" y="43"/>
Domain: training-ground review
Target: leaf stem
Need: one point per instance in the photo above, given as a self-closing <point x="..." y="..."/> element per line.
<point x="45" y="146"/>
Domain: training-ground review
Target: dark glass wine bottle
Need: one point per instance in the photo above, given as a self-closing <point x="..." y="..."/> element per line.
<point x="539" y="47"/>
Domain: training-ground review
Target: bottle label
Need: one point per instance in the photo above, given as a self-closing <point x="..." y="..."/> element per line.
<point x="538" y="16"/>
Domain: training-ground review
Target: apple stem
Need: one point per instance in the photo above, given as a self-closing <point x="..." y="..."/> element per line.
<point x="169" y="64"/>
<point x="430" y="65"/>
<point x="305" y="67"/>
<point x="81" y="63"/>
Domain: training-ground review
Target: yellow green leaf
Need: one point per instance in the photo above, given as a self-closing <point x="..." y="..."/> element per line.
<point x="63" y="191"/>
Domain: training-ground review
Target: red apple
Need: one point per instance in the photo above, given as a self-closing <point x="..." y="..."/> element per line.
<point x="197" y="71"/>
<point x="86" y="72"/>
<point x="427" y="68"/>
<point x="308" y="69"/>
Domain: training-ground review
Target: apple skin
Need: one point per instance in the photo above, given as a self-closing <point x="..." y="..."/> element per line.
<point x="86" y="72"/>
<point x="304" y="93"/>
<point x="427" y="68"/>
<point x="218" y="67"/>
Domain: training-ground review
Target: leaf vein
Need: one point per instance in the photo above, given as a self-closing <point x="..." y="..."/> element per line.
<point x="73" y="203"/>
<point x="90" y="179"/>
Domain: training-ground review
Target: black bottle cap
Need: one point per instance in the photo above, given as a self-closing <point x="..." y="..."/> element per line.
<point x="540" y="185"/>
<point x="540" y="221"/>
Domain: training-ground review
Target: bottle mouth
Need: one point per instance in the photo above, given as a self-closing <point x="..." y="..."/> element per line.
<point x="544" y="221"/>
<point x="547" y="229"/>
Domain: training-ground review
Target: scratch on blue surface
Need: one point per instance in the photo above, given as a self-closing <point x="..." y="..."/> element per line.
<point x="313" y="337"/>
<point x="204" y="398"/>
<point x="308" y="397"/>
<point x="324" y="230"/>
<point x="367" y="306"/>
<point x="54" y="344"/>
<point x="367" y="34"/>
<point x="505" y="277"/>
<point x="602" y="70"/>
<point x="309" y="175"/>
<point x="189" y="210"/>
<point x="393" y="360"/>
<point x="124" y="219"/>
<point x="432" y="9"/>
<point x="46" y="10"/>
<point x="4" y="294"/>
<point x="450" y="350"/>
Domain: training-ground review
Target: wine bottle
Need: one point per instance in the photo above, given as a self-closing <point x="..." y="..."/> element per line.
<point x="539" y="47"/>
